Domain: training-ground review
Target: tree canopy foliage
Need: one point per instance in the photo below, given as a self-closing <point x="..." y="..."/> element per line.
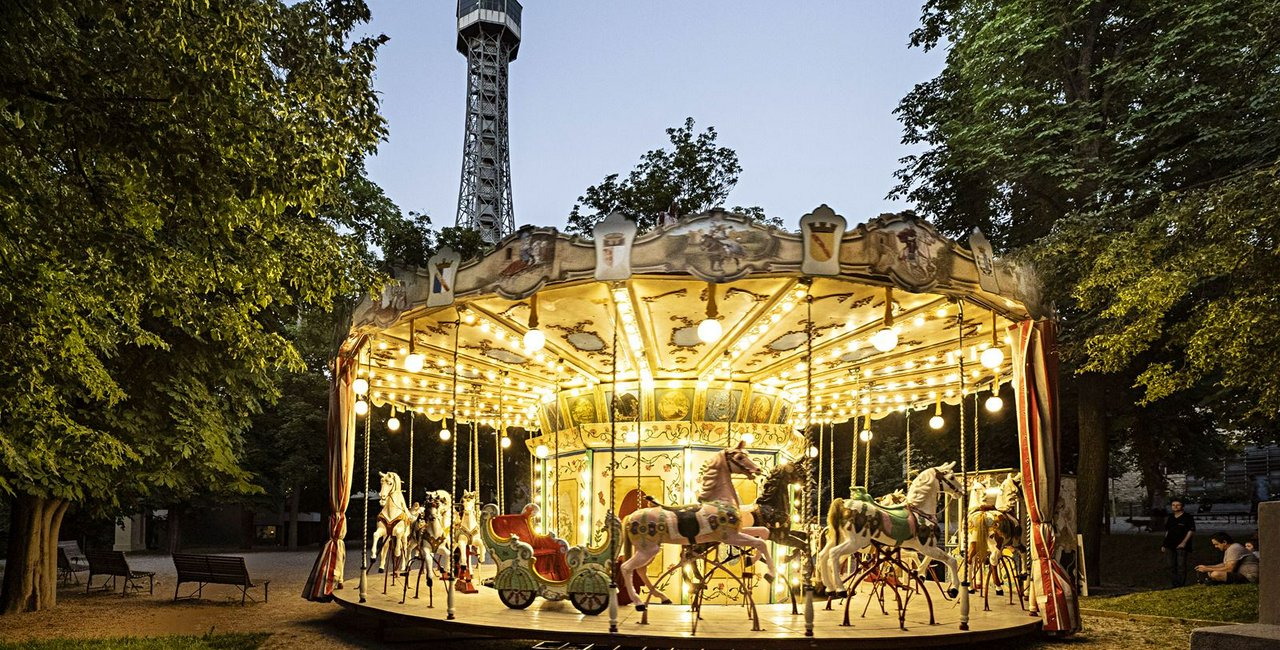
<point x="162" y="172"/>
<point x="693" y="176"/>
<point x="1130" y="151"/>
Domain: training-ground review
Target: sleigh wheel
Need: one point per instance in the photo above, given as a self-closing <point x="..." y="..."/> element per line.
<point x="589" y="603"/>
<point x="517" y="598"/>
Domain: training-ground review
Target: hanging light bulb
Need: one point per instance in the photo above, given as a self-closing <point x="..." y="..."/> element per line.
<point x="710" y="330"/>
<point x="506" y="442"/>
<point x="534" y="339"/>
<point x="445" y="435"/>
<point x="362" y="407"/>
<point x="886" y="339"/>
<point x="415" y="361"/>
<point x="813" y="452"/>
<point x="993" y="356"/>
<point x="936" y="422"/>
<point x="994" y="403"/>
<point x="393" y="422"/>
<point x="541" y="451"/>
<point x="360" y="386"/>
<point x="865" y="435"/>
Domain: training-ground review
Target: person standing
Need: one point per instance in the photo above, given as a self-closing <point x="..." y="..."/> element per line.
<point x="1180" y="527"/>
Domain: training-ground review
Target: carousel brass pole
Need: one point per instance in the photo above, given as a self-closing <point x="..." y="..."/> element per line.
<point x="853" y="465"/>
<point x="453" y="475"/>
<point x="364" y="541"/>
<point x="810" y="515"/>
<point x="613" y="476"/>
<point x="410" y="412"/>
<point x="964" y="481"/>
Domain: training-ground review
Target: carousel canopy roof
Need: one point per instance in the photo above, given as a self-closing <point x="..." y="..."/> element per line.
<point x="795" y="310"/>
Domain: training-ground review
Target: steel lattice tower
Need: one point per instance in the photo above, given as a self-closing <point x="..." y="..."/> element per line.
<point x="489" y="36"/>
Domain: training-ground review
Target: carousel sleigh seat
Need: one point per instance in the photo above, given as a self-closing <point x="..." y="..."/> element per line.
<point x="548" y="550"/>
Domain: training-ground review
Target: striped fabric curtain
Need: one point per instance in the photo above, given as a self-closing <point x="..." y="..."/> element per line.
<point x="327" y="572"/>
<point x="1035" y="383"/>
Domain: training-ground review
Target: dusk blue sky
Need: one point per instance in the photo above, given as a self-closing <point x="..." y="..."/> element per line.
<point x="804" y="92"/>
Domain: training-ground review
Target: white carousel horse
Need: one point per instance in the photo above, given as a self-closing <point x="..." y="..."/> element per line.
<point x="436" y="536"/>
<point x="854" y="523"/>
<point x="994" y="526"/>
<point x="393" y="521"/>
<point x="895" y="498"/>
<point x="468" y="525"/>
<point x="715" y="518"/>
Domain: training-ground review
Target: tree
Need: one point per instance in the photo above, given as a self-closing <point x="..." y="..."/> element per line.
<point x="695" y="175"/>
<point x="161" y="168"/>
<point x="1060" y="130"/>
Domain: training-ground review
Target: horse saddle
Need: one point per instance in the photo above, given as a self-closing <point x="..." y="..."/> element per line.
<point x="686" y="520"/>
<point x="897" y="521"/>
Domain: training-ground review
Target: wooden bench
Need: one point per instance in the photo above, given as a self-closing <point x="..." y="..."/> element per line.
<point x="71" y="561"/>
<point x="216" y="570"/>
<point x="115" y="565"/>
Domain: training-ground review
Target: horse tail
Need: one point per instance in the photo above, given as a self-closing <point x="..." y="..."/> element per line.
<point x="626" y="539"/>
<point x="835" y="517"/>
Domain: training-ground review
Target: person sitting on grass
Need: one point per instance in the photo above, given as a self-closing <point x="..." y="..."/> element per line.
<point x="1238" y="564"/>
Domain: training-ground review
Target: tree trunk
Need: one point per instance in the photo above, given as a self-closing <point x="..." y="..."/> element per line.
<point x="246" y="528"/>
<point x="31" y="572"/>
<point x="1095" y="450"/>
<point x="174" y="529"/>
<point x="293" y="518"/>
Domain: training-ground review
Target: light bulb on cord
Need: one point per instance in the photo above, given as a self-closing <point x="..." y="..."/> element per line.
<point x="710" y="330"/>
<point x="393" y="422"/>
<point x="506" y="442"/>
<point x="360" y="386"/>
<point x="362" y="407"/>
<point x="541" y="451"/>
<point x="994" y="403"/>
<point x="865" y="435"/>
<point x="413" y="362"/>
<point x="445" y="435"/>
<point x="993" y="356"/>
<point x="534" y="339"/>
<point x="887" y="338"/>
<point x="813" y="452"/>
<point x="936" y="422"/>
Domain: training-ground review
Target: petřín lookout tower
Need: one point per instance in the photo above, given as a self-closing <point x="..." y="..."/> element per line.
<point x="489" y="36"/>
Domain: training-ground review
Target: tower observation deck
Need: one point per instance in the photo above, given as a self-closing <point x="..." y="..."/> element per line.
<point x="489" y="36"/>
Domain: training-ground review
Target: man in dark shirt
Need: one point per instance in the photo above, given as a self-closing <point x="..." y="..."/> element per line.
<point x="1179" y="527"/>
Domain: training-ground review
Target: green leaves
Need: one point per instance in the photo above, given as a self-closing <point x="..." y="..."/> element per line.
<point x="166" y="174"/>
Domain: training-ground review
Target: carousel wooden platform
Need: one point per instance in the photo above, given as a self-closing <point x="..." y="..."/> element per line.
<point x="722" y="626"/>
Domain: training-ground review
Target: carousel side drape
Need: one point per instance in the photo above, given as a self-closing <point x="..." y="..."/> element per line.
<point x="1035" y="380"/>
<point x="327" y="572"/>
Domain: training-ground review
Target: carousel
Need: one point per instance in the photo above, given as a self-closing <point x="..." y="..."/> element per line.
<point x="677" y="393"/>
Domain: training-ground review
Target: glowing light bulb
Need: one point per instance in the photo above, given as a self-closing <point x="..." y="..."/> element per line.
<point x="445" y="435"/>
<point x="936" y="422"/>
<point x="534" y="340"/>
<point x="865" y="435"/>
<point x="813" y="452"/>
<point x="414" y="362"/>
<point x="506" y="442"/>
<point x="362" y="407"/>
<point x="748" y="437"/>
<point x="994" y="403"/>
<point x="541" y="451"/>
<point x="992" y="357"/>
<point x="710" y="330"/>
<point x="884" y="340"/>
<point x="393" y="423"/>
<point x="360" y="386"/>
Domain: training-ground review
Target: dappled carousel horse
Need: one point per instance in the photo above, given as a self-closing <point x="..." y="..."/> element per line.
<point x="717" y="517"/>
<point x="993" y="528"/>
<point x="468" y="526"/>
<point x="426" y="534"/>
<point x="393" y="521"/>
<point x="855" y="522"/>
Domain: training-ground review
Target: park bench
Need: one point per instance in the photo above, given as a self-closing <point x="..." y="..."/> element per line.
<point x="115" y="565"/>
<point x="215" y="570"/>
<point x="71" y="561"/>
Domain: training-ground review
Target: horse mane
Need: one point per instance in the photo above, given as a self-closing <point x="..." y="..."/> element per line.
<point x="777" y="478"/>
<point x="915" y="493"/>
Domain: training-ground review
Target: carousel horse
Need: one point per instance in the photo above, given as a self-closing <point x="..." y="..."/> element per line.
<point x="393" y="521"/>
<point x="716" y="518"/>
<point x="895" y="498"/>
<point x="993" y="528"/>
<point x="855" y="522"/>
<point x="437" y="535"/>
<point x="426" y="533"/>
<point x="468" y="526"/>
<point x="773" y="509"/>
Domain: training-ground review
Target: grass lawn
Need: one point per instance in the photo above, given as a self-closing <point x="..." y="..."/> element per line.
<point x="208" y="642"/>
<point x="1231" y="603"/>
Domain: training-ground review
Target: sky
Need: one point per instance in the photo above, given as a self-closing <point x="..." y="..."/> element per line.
<point x="803" y="92"/>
